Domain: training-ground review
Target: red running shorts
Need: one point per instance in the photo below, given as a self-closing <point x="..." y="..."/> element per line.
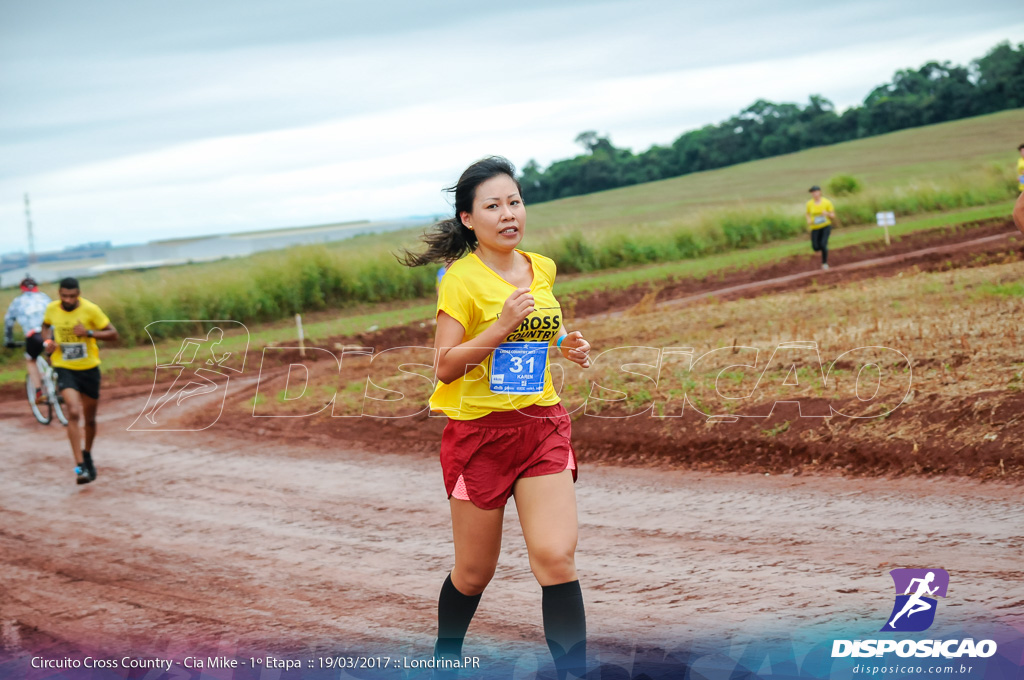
<point x="492" y="452"/>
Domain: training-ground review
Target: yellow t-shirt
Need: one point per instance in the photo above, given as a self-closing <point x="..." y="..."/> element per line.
<point x="74" y="352"/>
<point x="1020" y="174"/>
<point x="816" y="211"/>
<point x="473" y="294"/>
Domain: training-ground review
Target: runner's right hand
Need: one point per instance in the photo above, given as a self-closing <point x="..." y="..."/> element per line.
<point x="517" y="307"/>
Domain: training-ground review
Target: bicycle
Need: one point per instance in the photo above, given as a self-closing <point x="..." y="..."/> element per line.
<point x="44" y="412"/>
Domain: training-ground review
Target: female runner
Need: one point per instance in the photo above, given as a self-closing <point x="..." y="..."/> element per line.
<point x="507" y="434"/>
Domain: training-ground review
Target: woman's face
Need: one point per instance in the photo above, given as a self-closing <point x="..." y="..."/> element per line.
<point x="499" y="216"/>
<point x="816" y="195"/>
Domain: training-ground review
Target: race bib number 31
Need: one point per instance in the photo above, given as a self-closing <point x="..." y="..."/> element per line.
<point x="518" y="367"/>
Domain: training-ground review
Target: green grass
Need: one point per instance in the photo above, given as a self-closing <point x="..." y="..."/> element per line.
<point x="737" y="228"/>
<point x="1011" y="290"/>
<point x="322" y="325"/>
<point x="741" y="259"/>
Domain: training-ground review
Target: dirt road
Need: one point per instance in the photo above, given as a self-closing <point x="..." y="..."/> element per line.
<point x="191" y="541"/>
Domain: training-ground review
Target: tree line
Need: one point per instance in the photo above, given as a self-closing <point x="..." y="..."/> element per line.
<point x="934" y="93"/>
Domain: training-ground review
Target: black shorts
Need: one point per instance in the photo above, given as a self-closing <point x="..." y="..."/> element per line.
<point x="86" y="382"/>
<point x="33" y="346"/>
<point x="819" y="238"/>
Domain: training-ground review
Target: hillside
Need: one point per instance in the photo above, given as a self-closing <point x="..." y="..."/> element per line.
<point x="955" y="149"/>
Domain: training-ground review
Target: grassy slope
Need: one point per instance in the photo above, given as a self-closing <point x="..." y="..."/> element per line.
<point x="898" y="158"/>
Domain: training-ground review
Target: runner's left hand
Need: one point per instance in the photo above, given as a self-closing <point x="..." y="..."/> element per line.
<point x="80" y="330"/>
<point x="576" y="349"/>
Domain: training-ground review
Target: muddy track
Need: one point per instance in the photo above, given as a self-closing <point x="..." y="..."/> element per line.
<point x="240" y="542"/>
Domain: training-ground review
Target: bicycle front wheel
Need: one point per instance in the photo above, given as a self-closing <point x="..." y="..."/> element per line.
<point x="57" y="403"/>
<point x="42" y="412"/>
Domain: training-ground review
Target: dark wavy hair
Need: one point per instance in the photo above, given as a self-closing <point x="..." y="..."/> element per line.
<point x="450" y="239"/>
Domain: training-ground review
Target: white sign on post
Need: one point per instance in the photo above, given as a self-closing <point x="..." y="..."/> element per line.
<point x="886" y="220"/>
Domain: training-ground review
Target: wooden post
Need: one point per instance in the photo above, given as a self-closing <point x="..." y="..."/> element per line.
<point x="302" y="339"/>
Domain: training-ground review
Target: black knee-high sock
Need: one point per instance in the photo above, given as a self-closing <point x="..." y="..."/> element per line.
<point x="565" y="627"/>
<point x="454" y="612"/>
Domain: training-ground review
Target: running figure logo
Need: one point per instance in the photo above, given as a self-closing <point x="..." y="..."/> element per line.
<point x="915" y="605"/>
<point x="201" y="365"/>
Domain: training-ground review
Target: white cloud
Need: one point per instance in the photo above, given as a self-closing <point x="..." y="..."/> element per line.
<point x="270" y="133"/>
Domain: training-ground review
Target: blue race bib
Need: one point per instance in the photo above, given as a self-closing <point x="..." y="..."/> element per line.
<point x="819" y="219"/>
<point x="519" y="367"/>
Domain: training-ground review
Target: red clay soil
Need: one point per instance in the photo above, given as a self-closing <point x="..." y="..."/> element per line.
<point x="240" y="541"/>
<point x="781" y="443"/>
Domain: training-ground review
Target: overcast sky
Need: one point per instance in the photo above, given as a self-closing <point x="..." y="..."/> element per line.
<point x="128" y="121"/>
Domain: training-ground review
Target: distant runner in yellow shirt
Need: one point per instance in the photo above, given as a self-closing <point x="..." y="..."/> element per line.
<point x="820" y="215"/>
<point x="74" y="325"/>
<point x="1020" y="168"/>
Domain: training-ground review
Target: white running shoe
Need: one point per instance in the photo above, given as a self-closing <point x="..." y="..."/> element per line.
<point x="824" y="266"/>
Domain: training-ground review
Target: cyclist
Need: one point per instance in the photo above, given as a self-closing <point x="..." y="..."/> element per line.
<point x="76" y="324"/>
<point x="27" y="311"/>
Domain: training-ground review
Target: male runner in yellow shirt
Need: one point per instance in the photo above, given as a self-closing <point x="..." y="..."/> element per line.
<point x="75" y="324"/>
<point x="820" y="215"/>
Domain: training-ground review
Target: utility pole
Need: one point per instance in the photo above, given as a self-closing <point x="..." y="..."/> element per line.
<point x="31" y="240"/>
